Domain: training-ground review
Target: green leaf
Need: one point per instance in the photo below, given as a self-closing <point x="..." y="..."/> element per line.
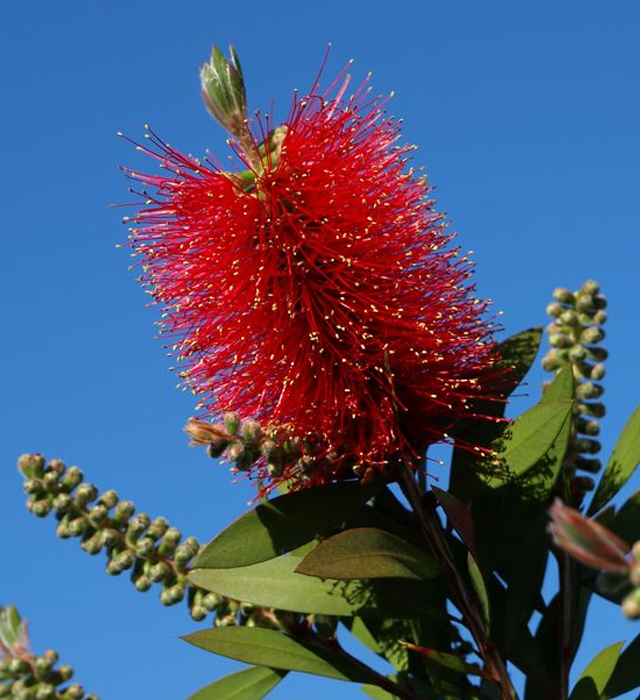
<point x="519" y="351"/>
<point x="562" y="386"/>
<point x="595" y="677"/>
<point x="275" y="584"/>
<point x="626" y="522"/>
<point x="265" y="647"/>
<point x="479" y="586"/>
<point x="373" y="691"/>
<point x="526" y="441"/>
<point x="283" y="524"/>
<point x="367" y="553"/>
<point x="249" y="684"/>
<point x="458" y="515"/>
<point x="623" y="462"/>
<point x="625" y="676"/>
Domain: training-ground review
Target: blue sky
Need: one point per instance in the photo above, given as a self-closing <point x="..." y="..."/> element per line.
<point x="526" y="116"/>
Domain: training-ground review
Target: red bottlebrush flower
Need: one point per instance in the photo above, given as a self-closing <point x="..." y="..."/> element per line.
<point x="319" y="288"/>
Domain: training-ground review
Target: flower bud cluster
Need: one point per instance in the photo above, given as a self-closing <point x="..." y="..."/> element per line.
<point x="575" y="335"/>
<point x="152" y="550"/>
<point x="273" y="451"/>
<point x="26" y="676"/>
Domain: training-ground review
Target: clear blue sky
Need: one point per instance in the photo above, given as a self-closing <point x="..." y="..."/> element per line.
<point x="526" y="115"/>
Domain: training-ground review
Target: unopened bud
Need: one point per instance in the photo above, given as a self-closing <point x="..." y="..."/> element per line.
<point x="157" y="528"/>
<point x="73" y="692"/>
<point x="142" y="583"/>
<point x="32" y="486"/>
<point x="109" y="537"/>
<point x="137" y="526"/>
<point x="50" y="479"/>
<point x="554" y="310"/>
<point x="109" y="499"/>
<point x="211" y="601"/>
<point x="588" y="427"/>
<point x="144" y="547"/>
<point x="172" y="595"/>
<point x="577" y="353"/>
<point x="45" y="691"/>
<point x="93" y="544"/>
<point x="235" y="451"/>
<point x="563" y="295"/>
<point x="598" y="371"/>
<point x="231" y="422"/>
<point x="40" y="508"/>
<point x="560" y="340"/>
<point x="85" y="494"/>
<point x="65" y="672"/>
<point x="31" y="465"/>
<point x="631" y="605"/>
<point x="589" y="390"/>
<point x="600" y="317"/>
<point x="77" y="527"/>
<point x="198" y="612"/>
<point x="72" y="478"/>
<point x="120" y="562"/>
<point x="595" y="409"/>
<point x="158" y="572"/>
<point x="593" y="466"/>
<point x="98" y="514"/>
<point x="569" y="318"/>
<point x="592" y="335"/>
<point x="251" y="431"/>
<point x="124" y="510"/>
<point x="169" y="542"/>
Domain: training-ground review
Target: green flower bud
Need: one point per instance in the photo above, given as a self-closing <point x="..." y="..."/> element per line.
<point x="231" y="422"/>
<point x="211" y="601"/>
<point x="554" y="310"/>
<point x="33" y="486"/>
<point x="216" y="448"/>
<point x="143" y="583"/>
<point x="40" y="508"/>
<point x="62" y="531"/>
<point x="560" y="340"/>
<point x="569" y="318"/>
<point x="589" y="390"/>
<point x="93" y="544"/>
<point x="588" y="427"/>
<point x="120" y="562"/>
<point x="157" y="528"/>
<point x="592" y="335"/>
<point x="18" y="666"/>
<point x="235" y="451"/>
<point x="51" y="656"/>
<point x="98" y="514"/>
<point x="62" y="502"/>
<point x="85" y="494"/>
<point x="563" y="295"/>
<point x="124" y="510"/>
<point x="109" y="499"/>
<point x="587" y="445"/>
<point x="198" y="612"/>
<point x="50" y="479"/>
<point x="109" y="537"/>
<point x="598" y="371"/>
<point x="593" y="466"/>
<point x="595" y="409"/>
<point x="172" y="595"/>
<point x="73" y="692"/>
<point x="600" y="302"/>
<point x="583" y="484"/>
<point x="144" y="547"/>
<point x="251" y="431"/>
<point x="72" y="478"/>
<point x="31" y="465"/>
<point x="158" y="572"/>
<point x="590" y="287"/>
<point x="600" y="317"/>
<point x="169" y="542"/>
<point x="65" y="672"/>
<point x="631" y="605"/>
<point x="137" y="526"/>
<point x="223" y="91"/>
<point x="577" y="353"/>
<point x="597" y="353"/>
<point x="185" y="552"/>
<point x="45" y="691"/>
<point x="77" y="527"/>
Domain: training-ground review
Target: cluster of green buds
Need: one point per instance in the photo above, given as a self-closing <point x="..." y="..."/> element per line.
<point x="151" y="550"/>
<point x="26" y="676"/>
<point x="575" y="335"/>
<point x="248" y="445"/>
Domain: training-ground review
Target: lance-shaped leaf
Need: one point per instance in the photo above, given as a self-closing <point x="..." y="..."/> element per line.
<point x="367" y="553"/>
<point x="526" y="441"/>
<point x="477" y="581"/>
<point x="283" y="524"/>
<point x="275" y="584"/>
<point x="265" y="647"/>
<point x="595" y="677"/>
<point x="459" y="517"/>
<point x="625" y="676"/>
<point x="450" y="661"/>
<point x="623" y="462"/>
<point x="249" y="684"/>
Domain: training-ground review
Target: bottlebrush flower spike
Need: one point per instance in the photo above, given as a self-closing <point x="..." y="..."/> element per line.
<point x="317" y="288"/>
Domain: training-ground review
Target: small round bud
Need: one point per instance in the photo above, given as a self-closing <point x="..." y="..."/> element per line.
<point x="216" y="448"/>
<point x="158" y="572"/>
<point x="62" y="531"/>
<point x="109" y="537"/>
<point x="137" y="526"/>
<point x="72" y="478"/>
<point x="595" y="409"/>
<point x="589" y="390"/>
<point x="31" y="465"/>
<point x="32" y="486"/>
<point x="124" y="510"/>
<point x="600" y="317"/>
<point x="40" y="508"/>
<point x="172" y="595"/>
<point x="600" y="302"/>
<point x="211" y="601"/>
<point x="554" y="309"/>
<point x="51" y="656"/>
<point x="109" y="499"/>
<point x="169" y="542"/>
<point x="45" y="691"/>
<point x="62" y="502"/>
<point x="143" y="583"/>
<point x="588" y="427"/>
<point x="569" y="318"/>
<point x="231" y="422"/>
<point x="251" y="431"/>
<point x="560" y="340"/>
<point x="598" y="371"/>
<point x="73" y="692"/>
<point x="120" y="562"/>
<point x="593" y="466"/>
<point x="592" y="335"/>
<point x="98" y="514"/>
<point x="157" y="528"/>
<point x="587" y="445"/>
<point x="77" y="527"/>
<point x="563" y="295"/>
<point x="583" y="484"/>
<point x="93" y="544"/>
<point x="577" y="353"/>
<point x="235" y="451"/>
<point x="85" y="494"/>
<point x="144" y="547"/>
<point x="198" y="613"/>
<point x="631" y="605"/>
<point x="65" y="672"/>
<point x="51" y="479"/>
<point x="590" y="287"/>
